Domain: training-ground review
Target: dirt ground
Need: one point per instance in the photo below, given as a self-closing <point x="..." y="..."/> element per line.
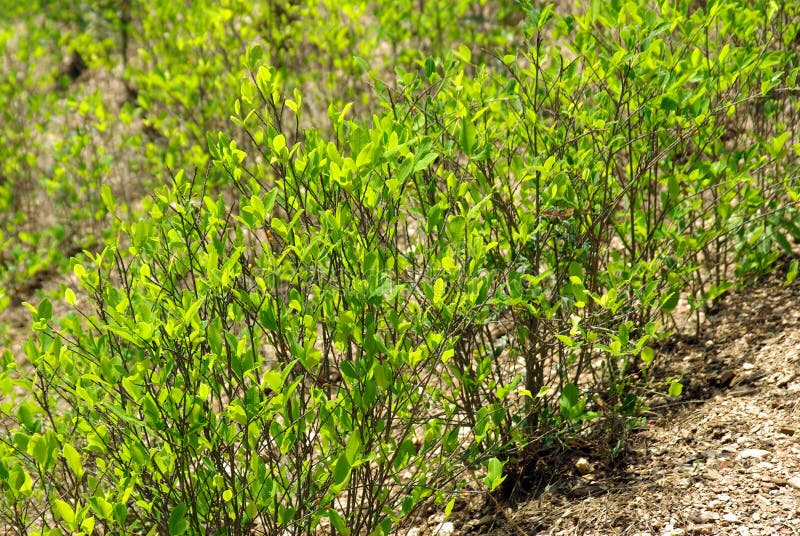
<point x="724" y="458"/>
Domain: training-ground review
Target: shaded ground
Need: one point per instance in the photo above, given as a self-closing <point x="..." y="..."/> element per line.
<point x="723" y="459"/>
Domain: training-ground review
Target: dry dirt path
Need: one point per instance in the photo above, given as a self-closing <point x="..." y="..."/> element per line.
<point x="724" y="459"/>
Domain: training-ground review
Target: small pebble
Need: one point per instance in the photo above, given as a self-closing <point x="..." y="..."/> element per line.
<point x="444" y="529"/>
<point x="583" y="466"/>
<point x="753" y="453"/>
<point x="706" y="516"/>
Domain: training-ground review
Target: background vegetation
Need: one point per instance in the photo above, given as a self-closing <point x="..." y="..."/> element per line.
<point x="324" y="263"/>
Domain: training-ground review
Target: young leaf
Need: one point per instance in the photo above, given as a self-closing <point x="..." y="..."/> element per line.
<point x="647" y="355"/>
<point x="341" y="471"/>
<point x="177" y="522"/>
<point x="45" y="310"/>
<point x="791" y="274"/>
<point x="670" y="302"/>
<point x="69" y="296"/>
<point x="65" y="512"/>
<point x="569" y="397"/>
<point x="338" y="522"/>
<point x="467" y="136"/>
<point x="73" y="458"/>
<point x="494" y="474"/>
<point x="254" y="55"/>
<point x="463" y="53"/>
<point x="108" y="199"/>
<point x="448" y="509"/>
<point x="279" y="143"/>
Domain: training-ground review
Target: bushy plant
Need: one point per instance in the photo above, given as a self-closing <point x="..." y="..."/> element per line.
<point x="317" y="326"/>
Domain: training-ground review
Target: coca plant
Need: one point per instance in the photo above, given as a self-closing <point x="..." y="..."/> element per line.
<point x="362" y="316"/>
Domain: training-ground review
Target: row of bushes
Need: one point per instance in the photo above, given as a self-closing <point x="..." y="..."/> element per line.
<point x="320" y="324"/>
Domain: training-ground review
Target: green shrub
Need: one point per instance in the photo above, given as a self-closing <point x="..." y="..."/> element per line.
<point x="334" y="324"/>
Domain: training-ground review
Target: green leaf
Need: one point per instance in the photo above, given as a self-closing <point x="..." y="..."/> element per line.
<point x="108" y="199"/>
<point x="177" y="522"/>
<point x="190" y="312"/>
<point x="45" y="310"/>
<point x="448" y="509"/>
<point x="213" y="147"/>
<point x="65" y="512"/>
<point x="675" y="388"/>
<point x="791" y="275"/>
<point x="214" y="335"/>
<point x="27" y="418"/>
<point x="254" y="55"/>
<point x="568" y="341"/>
<point x="273" y="380"/>
<point x="424" y="161"/>
<point x="40" y="449"/>
<point x="463" y="53"/>
<point x="353" y="448"/>
<point x="494" y="474"/>
<point x="341" y="471"/>
<point x="569" y="397"/>
<point x="286" y="515"/>
<point x="647" y="355"/>
<point x="279" y="143"/>
<point x="348" y="370"/>
<point x="438" y="292"/>
<point x="120" y="513"/>
<point x="280" y="228"/>
<point x="264" y="80"/>
<point x="673" y="188"/>
<point x="21" y="481"/>
<point x="132" y="388"/>
<point x="777" y="143"/>
<point x="430" y="67"/>
<point x="69" y="296"/>
<point x="783" y="242"/>
<point x="668" y="104"/>
<point x="670" y="302"/>
<point x="103" y="508"/>
<point x="146" y="330"/>
<point x="467" y="136"/>
<point x="448" y="354"/>
<point x="338" y="522"/>
<point x="73" y="458"/>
